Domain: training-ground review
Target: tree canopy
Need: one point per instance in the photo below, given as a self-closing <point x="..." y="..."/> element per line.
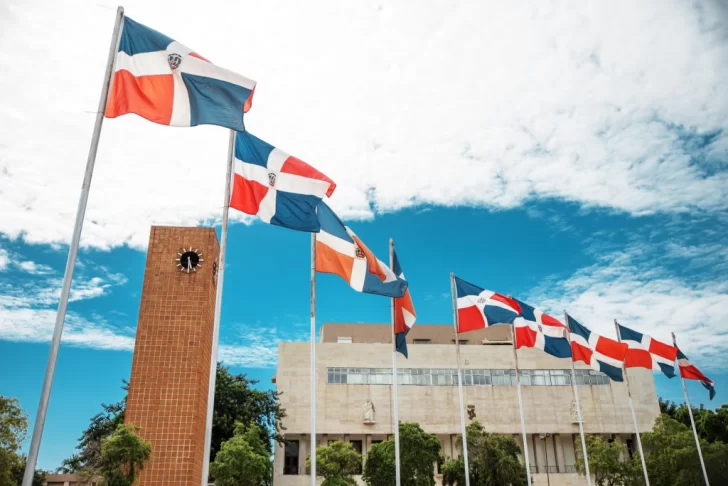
<point x="13" y="431"/>
<point x="419" y="451"/>
<point x="672" y="456"/>
<point x="606" y="465"/>
<point x="337" y="463"/>
<point x="123" y="455"/>
<point x="243" y="460"/>
<point x="712" y="425"/>
<point x="493" y="459"/>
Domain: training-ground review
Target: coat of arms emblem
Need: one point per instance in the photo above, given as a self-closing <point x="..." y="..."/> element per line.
<point x="272" y="179"/>
<point x="174" y="60"/>
<point x="359" y="253"/>
<point x="481" y="300"/>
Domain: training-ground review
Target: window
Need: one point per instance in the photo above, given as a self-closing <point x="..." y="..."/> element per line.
<point x="343" y="340"/>
<point x="290" y="460"/>
<point x="357" y="445"/>
<point x="421" y="341"/>
<point x="470" y="377"/>
<point x="461" y="341"/>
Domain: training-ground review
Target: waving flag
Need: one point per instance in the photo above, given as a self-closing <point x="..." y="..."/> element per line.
<point x="479" y="308"/>
<point x="646" y="352"/>
<point x="534" y="329"/>
<point x="281" y="189"/>
<point x="601" y="353"/>
<point x="404" y="312"/>
<point x="340" y="252"/>
<point x="689" y="371"/>
<point x="165" y="82"/>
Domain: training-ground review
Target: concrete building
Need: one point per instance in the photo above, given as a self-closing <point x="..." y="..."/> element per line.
<point x="353" y="373"/>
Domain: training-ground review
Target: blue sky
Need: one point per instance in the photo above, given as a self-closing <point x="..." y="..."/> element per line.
<point x="574" y="156"/>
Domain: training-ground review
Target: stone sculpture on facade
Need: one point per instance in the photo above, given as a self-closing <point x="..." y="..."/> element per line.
<point x="574" y="413"/>
<point x="369" y="417"/>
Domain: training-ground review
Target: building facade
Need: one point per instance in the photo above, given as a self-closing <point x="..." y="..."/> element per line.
<point x="354" y="396"/>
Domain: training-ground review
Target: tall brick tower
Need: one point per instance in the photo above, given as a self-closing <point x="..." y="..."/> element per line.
<point x="171" y="365"/>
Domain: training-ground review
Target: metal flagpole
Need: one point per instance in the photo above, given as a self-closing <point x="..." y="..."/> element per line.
<point x="460" y="379"/>
<point x="313" y="359"/>
<point x="395" y="379"/>
<point x="520" y="407"/>
<point x="634" y="416"/>
<point x="692" y="420"/>
<point x="578" y="411"/>
<point x="71" y="262"/>
<point x="218" y="309"/>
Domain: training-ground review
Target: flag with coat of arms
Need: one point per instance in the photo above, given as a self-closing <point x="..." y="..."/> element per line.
<point x="340" y="252"/>
<point x="280" y="189"/>
<point x="168" y="83"/>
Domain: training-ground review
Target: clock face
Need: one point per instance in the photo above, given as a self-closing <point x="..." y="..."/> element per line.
<point x="189" y="260"/>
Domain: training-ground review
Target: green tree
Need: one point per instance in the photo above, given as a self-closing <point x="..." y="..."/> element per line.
<point x="243" y="460"/>
<point x="337" y="463"/>
<point x="419" y="451"/>
<point x="712" y="425"/>
<point x="606" y="466"/>
<point x="672" y="457"/>
<point x="236" y="400"/>
<point x="38" y="476"/>
<point x="13" y="430"/>
<point x="123" y="456"/>
<point x="493" y="459"/>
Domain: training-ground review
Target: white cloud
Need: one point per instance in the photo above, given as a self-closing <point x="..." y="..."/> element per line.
<point x="28" y="307"/>
<point x="25" y="324"/>
<point x="618" y="104"/>
<point x="35" y="268"/>
<point x="647" y="298"/>
<point x="257" y="346"/>
<point x="4" y="259"/>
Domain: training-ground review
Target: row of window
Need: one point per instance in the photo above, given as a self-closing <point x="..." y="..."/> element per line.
<point x="349" y="340"/>
<point x="449" y="377"/>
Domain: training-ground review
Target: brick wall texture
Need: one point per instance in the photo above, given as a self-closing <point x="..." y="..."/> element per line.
<point x="171" y="366"/>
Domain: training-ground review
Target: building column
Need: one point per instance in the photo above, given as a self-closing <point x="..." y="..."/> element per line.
<point x="303" y="448"/>
<point x="538" y="458"/>
<point x="559" y="446"/>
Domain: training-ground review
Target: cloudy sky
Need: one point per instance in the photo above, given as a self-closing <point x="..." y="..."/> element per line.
<point x="572" y="154"/>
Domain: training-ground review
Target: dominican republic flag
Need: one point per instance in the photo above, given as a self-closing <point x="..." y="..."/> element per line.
<point x="340" y="252"/>
<point x="404" y="312"/>
<point x="646" y="352"/>
<point x="165" y="82"/>
<point x="279" y="188"/>
<point x="601" y="353"/>
<point x="534" y="329"/>
<point x="479" y="308"/>
<point x="689" y="371"/>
